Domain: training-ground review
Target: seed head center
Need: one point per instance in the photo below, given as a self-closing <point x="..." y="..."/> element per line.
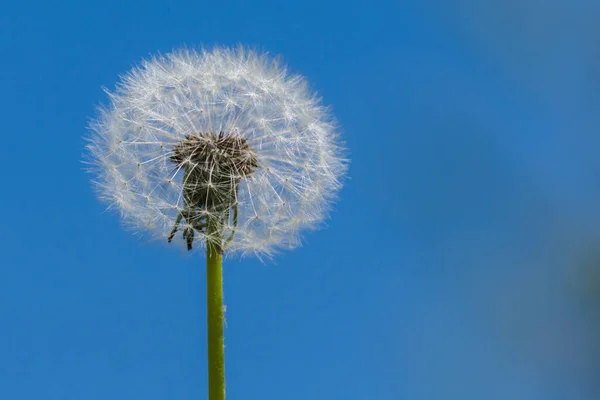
<point x="213" y="165"/>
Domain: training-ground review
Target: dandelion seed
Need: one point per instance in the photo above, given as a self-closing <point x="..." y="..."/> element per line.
<point x="184" y="117"/>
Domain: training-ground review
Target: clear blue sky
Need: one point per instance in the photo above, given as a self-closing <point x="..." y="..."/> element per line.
<point x="459" y="263"/>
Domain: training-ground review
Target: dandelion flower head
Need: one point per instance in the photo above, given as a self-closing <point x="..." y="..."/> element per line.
<point x="221" y="145"/>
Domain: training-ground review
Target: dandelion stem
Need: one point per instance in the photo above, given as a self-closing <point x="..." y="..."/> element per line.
<point x="215" y="316"/>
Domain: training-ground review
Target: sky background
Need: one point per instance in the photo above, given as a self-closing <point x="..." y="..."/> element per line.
<point x="461" y="262"/>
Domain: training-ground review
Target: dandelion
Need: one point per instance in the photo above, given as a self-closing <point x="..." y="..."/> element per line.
<point x="223" y="149"/>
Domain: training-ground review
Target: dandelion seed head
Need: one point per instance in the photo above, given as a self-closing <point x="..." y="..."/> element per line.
<point x="226" y="135"/>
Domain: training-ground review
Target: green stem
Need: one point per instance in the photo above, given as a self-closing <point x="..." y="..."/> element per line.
<point x="215" y="316"/>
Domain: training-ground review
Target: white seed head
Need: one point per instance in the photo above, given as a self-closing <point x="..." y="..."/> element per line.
<point x="223" y="137"/>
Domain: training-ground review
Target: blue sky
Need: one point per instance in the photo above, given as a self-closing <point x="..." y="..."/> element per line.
<point x="460" y="263"/>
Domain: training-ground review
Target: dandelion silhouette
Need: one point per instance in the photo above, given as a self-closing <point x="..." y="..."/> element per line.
<point x="223" y="146"/>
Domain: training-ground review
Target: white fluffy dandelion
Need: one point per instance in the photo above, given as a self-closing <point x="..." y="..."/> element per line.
<point x="223" y="147"/>
<point x="225" y="138"/>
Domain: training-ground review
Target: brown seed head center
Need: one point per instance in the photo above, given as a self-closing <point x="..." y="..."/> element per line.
<point x="213" y="167"/>
<point x="223" y="156"/>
